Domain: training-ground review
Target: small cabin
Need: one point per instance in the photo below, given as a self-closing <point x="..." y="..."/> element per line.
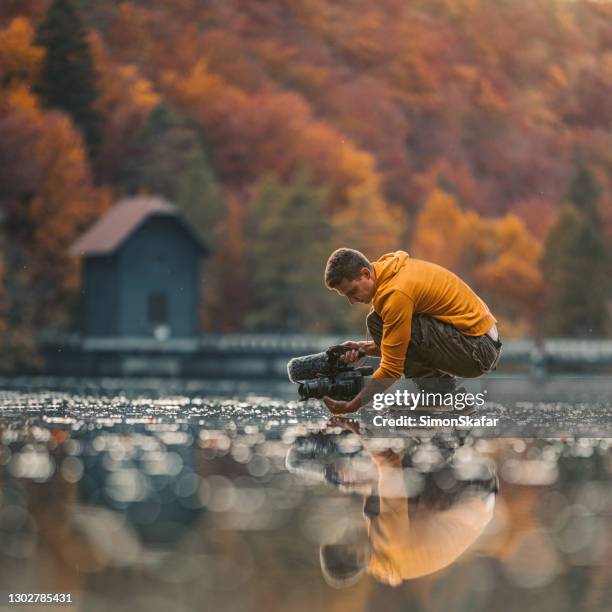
<point x="140" y="272"/>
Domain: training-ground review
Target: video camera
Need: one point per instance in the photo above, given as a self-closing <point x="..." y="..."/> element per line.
<point x="326" y="374"/>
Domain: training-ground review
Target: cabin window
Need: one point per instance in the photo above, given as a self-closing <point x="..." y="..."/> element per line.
<point x="158" y="308"/>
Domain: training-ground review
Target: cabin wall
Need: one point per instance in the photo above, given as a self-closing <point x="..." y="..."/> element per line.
<point x="158" y="280"/>
<point x="100" y="298"/>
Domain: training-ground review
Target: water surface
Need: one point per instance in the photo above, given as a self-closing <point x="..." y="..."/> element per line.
<point x="144" y="497"/>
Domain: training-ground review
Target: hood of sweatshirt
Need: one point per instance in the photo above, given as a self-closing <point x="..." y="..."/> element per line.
<point x="385" y="269"/>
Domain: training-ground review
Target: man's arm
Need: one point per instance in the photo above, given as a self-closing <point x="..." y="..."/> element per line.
<point x="365" y="396"/>
<point x="397" y="327"/>
<point x="396" y="313"/>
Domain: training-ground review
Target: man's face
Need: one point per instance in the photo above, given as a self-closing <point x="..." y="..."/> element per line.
<point x="360" y="290"/>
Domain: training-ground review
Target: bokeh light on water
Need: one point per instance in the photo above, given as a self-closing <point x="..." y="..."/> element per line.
<point x="135" y="501"/>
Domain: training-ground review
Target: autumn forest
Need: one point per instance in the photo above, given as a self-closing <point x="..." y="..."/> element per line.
<point x="473" y="133"/>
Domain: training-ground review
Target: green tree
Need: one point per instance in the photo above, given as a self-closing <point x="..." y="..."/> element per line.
<point x="584" y="191"/>
<point x="575" y="265"/>
<point x="67" y="79"/>
<point x="168" y="157"/>
<point x="289" y="240"/>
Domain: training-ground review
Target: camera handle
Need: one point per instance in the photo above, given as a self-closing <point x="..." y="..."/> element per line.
<point x="336" y="351"/>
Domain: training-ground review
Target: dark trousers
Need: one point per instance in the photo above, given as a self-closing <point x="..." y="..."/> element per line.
<point x="438" y="352"/>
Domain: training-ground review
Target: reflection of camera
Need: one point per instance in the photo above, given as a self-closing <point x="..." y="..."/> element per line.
<point x="326" y="374"/>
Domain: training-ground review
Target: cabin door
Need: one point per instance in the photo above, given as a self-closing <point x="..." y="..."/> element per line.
<point x="158" y="315"/>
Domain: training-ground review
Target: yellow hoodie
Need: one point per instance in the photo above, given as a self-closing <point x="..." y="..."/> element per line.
<point x="405" y="547"/>
<point x="405" y="287"/>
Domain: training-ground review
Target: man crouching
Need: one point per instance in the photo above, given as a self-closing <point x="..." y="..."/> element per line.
<point x="425" y="322"/>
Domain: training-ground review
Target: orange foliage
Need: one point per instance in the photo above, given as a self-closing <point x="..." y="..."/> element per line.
<point x="20" y="59"/>
<point x="269" y="131"/>
<point x="3" y="297"/>
<point x="498" y="257"/>
<point x="386" y="104"/>
<point x="538" y="215"/>
<point x="377" y="126"/>
<point x="120" y="86"/>
<point x="125" y="99"/>
<point x="485" y="87"/>
<point x="490" y="99"/>
<point x="226" y="295"/>
<point x="64" y="201"/>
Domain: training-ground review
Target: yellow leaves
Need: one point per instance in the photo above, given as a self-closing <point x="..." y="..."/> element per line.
<point x="283" y="63"/>
<point x="356" y="163"/>
<point x="121" y="87"/>
<point x="511" y="274"/>
<point x="450" y="236"/>
<point x="20" y="59"/>
<point x="439" y="230"/>
<point x="317" y="16"/>
<point x="557" y="76"/>
<point x="490" y="99"/>
<point x="415" y="83"/>
<point x="63" y="201"/>
<point x="462" y="8"/>
<point x="130" y="84"/>
<point x="498" y="255"/>
<point x="354" y="189"/>
<point x="480" y="89"/>
<point x="197" y="85"/>
<point x="271" y="131"/>
<point x="466" y="73"/>
<point x="22" y="99"/>
<point x="512" y="236"/>
<point x="66" y="184"/>
<point x="308" y="77"/>
<point x="202" y="87"/>
<point x="142" y="90"/>
<point x="366" y="42"/>
<point x="275" y="55"/>
<point x="348" y="172"/>
<point x="536" y="110"/>
<point x="367" y="223"/>
<point x="335" y="160"/>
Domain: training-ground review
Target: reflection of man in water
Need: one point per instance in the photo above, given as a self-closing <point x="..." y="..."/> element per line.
<point x="426" y="323"/>
<point x="407" y="538"/>
<point x="403" y="534"/>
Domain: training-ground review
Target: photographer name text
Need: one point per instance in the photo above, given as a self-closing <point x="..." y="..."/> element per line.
<point x="425" y="420"/>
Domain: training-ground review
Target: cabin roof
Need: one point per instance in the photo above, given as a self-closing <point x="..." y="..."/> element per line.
<point x="107" y="234"/>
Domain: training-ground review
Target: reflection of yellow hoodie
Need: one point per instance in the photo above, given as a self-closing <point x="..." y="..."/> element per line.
<point x="406" y="286"/>
<point x="405" y="547"/>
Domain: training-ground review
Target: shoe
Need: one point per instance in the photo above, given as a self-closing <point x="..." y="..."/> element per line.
<point x="436" y="410"/>
<point x="467" y="411"/>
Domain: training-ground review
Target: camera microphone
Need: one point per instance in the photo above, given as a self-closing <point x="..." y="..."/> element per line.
<point x="309" y="366"/>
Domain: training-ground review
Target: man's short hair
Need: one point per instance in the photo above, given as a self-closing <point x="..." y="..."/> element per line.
<point x="344" y="264"/>
<point x="343" y="564"/>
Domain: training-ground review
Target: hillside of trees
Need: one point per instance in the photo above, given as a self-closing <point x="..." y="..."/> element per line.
<point x="473" y="133"/>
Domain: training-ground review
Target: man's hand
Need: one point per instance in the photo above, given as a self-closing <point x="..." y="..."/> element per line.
<point x="352" y="355"/>
<point x="369" y="348"/>
<point x="344" y="423"/>
<point x="339" y="406"/>
<point x="363" y="398"/>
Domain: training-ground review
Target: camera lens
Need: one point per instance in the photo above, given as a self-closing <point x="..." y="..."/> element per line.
<point x="316" y="388"/>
